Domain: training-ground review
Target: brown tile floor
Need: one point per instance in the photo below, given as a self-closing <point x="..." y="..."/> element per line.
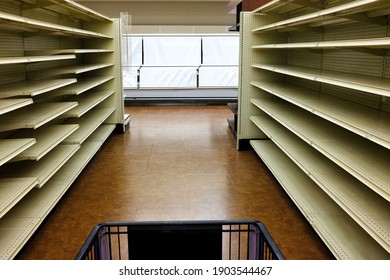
<point x="175" y="163"/>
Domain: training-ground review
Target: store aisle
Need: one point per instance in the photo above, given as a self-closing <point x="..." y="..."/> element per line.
<point x="174" y="163"/>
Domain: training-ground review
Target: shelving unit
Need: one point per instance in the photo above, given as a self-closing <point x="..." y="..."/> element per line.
<point x="314" y="104"/>
<point x="61" y="97"/>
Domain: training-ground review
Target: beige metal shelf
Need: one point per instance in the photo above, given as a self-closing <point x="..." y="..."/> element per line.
<point x="273" y="5"/>
<point x="102" y="133"/>
<point x="87" y="102"/>
<point x="345" y="190"/>
<point x="84" y="84"/>
<point x="43" y="169"/>
<point x="33" y="88"/>
<point x="357" y="82"/>
<point x="371" y="125"/>
<point x="375" y="43"/>
<point x="88" y="124"/>
<point x="20" y="223"/>
<point x="72" y="8"/>
<point x="10" y="148"/>
<point x="23" y="24"/>
<point x="8" y="105"/>
<point x="66" y="51"/>
<point x="13" y="190"/>
<point x="66" y="70"/>
<point x="35" y="115"/>
<point x="31" y="59"/>
<point x="336" y="12"/>
<point x="343" y="239"/>
<point x="47" y="137"/>
<point x="286" y="6"/>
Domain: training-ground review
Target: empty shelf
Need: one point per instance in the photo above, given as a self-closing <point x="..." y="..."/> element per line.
<point x="30" y="59"/>
<point x="346" y="191"/>
<point x="87" y="101"/>
<point x="23" y="24"/>
<point x="10" y="148"/>
<point x="48" y="137"/>
<point x="358" y="43"/>
<point x="8" y="105"/>
<point x="68" y="7"/>
<point x="345" y="239"/>
<point x="43" y="169"/>
<point x="33" y="88"/>
<point x="273" y="5"/>
<point x="373" y="85"/>
<point x="13" y="190"/>
<point x="286" y="6"/>
<point x="66" y="70"/>
<point x="34" y="116"/>
<point x="102" y="133"/>
<point x="371" y="124"/>
<point x="335" y="12"/>
<point x="88" y="124"/>
<point x="83" y="85"/>
<point x="369" y="166"/>
<point x="67" y="51"/>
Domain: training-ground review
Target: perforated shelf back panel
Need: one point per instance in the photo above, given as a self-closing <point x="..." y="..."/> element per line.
<point x="246" y="129"/>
